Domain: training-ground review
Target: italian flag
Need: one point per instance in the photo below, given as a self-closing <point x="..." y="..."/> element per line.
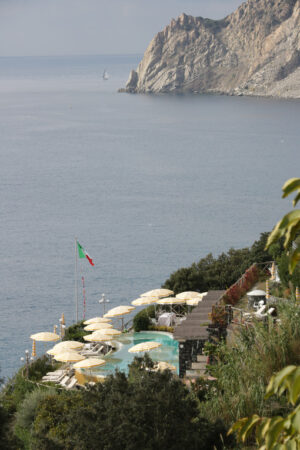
<point x="84" y="254"/>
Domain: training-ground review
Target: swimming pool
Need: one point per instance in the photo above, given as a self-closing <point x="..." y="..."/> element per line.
<point x="121" y="357"/>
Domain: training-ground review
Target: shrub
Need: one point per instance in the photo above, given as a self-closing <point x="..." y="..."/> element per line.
<point x="75" y="332"/>
<point x="141" y="321"/>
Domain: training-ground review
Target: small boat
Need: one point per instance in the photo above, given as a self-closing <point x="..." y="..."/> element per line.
<point x="105" y="75"/>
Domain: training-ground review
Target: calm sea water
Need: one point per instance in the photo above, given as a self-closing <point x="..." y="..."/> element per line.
<point x="148" y="184"/>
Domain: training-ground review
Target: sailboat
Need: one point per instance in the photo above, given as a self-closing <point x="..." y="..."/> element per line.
<point x="105" y="75"/>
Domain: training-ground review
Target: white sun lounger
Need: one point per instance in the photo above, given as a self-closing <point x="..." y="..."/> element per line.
<point x="72" y="383"/>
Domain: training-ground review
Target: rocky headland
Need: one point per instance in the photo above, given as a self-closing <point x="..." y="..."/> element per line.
<point x="253" y="51"/>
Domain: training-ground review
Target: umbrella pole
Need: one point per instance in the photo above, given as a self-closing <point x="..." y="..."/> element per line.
<point x="76" y="283"/>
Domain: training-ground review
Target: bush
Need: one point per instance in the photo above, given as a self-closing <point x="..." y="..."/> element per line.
<point x="146" y="410"/>
<point x="141" y="321"/>
<point x="75" y="332"/>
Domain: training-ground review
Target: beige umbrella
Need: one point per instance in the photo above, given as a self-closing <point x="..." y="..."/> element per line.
<point x="144" y="301"/>
<point x="193" y="301"/>
<point x="170" y="301"/>
<point x="98" y="337"/>
<point x="97" y="320"/>
<point x="119" y="311"/>
<point x="158" y="293"/>
<point x="162" y="365"/>
<point x="97" y="326"/>
<point x="187" y="295"/>
<point x="108" y="331"/>
<point x="65" y="345"/>
<point x="45" y="336"/>
<point x="144" y="346"/>
<point x="68" y="356"/>
<point x="90" y="362"/>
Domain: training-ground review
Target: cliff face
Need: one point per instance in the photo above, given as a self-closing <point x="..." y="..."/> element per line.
<point x="253" y="51"/>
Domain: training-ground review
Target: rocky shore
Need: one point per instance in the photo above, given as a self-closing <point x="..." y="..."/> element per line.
<point x="253" y="51"/>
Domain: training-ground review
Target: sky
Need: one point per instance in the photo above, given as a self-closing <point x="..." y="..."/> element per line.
<point x="93" y="27"/>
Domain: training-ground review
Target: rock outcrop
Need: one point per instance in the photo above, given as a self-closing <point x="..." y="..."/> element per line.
<point x="253" y="51"/>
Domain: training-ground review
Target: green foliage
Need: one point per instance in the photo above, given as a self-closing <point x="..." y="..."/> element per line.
<point x="150" y="410"/>
<point x="277" y="432"/>
<point x="26" y="413"/>
<point x="15" y="391"/>
<point x="285" y="276"/>
<point x="75" y="332"/>
<point x="289" y="226"/>
<point x="39" y="368"/>
<point x="220" y="272"/>
<point x="141" y="321"/>
<point x="244" y="370"/>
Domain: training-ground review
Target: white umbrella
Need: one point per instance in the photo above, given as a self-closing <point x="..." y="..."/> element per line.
<point x="144" y="346"/>
<point x="45" y="336"/>
<point x="144" y="301"/>
<point x="158" y="293"/>
<point x="170" y="301"/>
<point x="98" y="337"/>
<point x="90" y="362"/>
<point x="65" y="345"/>
<point x="108" y="332"/>
<point x="97" y="326"/>
<point x="119" y="311"/>
<point x="68" y="356"/>
<point x="97" y="320"/>
<point x="187" y="295"/>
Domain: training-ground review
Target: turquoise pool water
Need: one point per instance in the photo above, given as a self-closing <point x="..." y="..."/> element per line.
<point x="121" y="358"/>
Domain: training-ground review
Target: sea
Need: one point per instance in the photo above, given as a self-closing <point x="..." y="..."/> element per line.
<point x="146" y="183"/>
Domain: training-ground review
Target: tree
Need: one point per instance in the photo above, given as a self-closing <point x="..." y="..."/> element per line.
<point x="289" y="226"/>
<point x="146" y="410"/>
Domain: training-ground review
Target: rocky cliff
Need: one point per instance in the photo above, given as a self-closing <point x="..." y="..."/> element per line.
<point x="253" y="51"/>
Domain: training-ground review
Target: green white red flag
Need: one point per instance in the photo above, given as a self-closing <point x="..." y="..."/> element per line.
<point x="82" y="253"/>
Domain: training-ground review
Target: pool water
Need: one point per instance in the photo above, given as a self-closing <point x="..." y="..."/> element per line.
<point x="121" y="358"/>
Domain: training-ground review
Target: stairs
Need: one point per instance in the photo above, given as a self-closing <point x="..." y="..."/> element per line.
<point x="198" y="368"/>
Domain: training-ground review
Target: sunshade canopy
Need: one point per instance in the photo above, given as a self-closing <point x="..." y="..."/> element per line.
<point x="97" y="326"/>
<point x="158" y="293"/>
<point x="45" y="336"/>
<point x="193" y="301"/>
<point x="170" y="301"/>
<point x="163" y="365"/>
<point x="97" y="320"/>
<point x="144" y="301"/>
<point x="98" y="337"/>
<point x="144" y="346"/>
<point x="256" y="293"/>
<point x="119" y="311"/>
<point x="68" y="356"/>
<point x="187" y="295"/>
<point x="108" y="331"/>
<point x="65" y="345"/>
<point x="90" y="362"/>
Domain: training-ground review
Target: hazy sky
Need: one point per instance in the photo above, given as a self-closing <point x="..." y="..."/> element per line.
<point x="61" y="27"/>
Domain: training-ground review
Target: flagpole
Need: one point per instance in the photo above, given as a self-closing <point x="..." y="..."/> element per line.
<point x="76" y="279"/>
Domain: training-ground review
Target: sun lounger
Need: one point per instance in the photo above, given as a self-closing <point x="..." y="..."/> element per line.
<point x="65" y="381"/>
<point x="71" y="383"/>
<point x="54" y="377"/>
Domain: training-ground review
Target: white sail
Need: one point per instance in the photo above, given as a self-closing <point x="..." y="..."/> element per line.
<point x="105" y="75"/>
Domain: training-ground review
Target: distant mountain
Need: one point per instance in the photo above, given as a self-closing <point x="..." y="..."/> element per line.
<point x="253" y="51"/>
